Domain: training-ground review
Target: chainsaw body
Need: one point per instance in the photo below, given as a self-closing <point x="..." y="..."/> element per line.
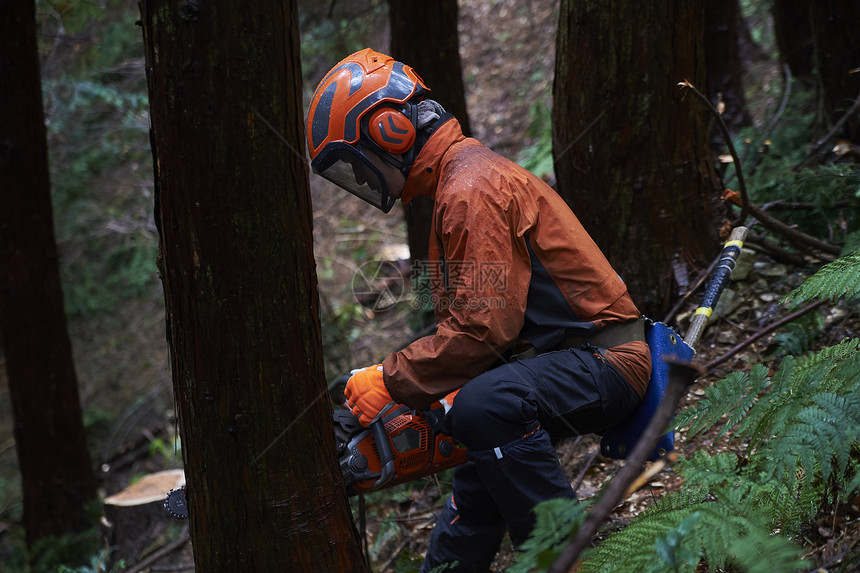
<point x="403" y="446"/>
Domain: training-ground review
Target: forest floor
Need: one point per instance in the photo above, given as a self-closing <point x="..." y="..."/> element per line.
<point x="507" y="49"/>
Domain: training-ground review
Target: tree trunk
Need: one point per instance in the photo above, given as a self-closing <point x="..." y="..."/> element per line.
<point x="630" y="150"/>
<point x="723" y="64"/>
<point x="56" y="470"/>
<point x="835" y="25"/>
<point x="264" y="490"/>
<point x="793" y="32"/>
<point x="424" y="36"/>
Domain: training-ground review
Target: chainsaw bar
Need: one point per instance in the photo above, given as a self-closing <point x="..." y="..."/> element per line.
<point x="174" y="503"/>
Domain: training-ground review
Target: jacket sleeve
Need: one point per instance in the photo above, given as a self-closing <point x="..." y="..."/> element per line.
<point x="480" y="303"/>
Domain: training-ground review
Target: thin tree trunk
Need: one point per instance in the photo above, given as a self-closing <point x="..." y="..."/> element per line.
<point x="424" y="36"/>
<point x="264" y="489"/>
<point x="631" y="153"/>
<point x="835" y="29"/>
<point x="723" y="63"/>
<point x="56" y="470"/>
<point x="793" y="31"/>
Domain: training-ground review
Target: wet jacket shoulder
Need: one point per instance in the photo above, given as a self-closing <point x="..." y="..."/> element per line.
<point x="509" y="266"/>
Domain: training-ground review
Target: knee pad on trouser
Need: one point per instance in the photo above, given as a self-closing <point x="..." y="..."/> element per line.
<point x="469" y="531"/>
<point x="519" y="475"/>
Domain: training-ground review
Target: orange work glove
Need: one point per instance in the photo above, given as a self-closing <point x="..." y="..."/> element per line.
<point x="366" y="395"/>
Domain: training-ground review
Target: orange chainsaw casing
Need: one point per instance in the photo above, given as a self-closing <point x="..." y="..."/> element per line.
<point x="416" y="450"/>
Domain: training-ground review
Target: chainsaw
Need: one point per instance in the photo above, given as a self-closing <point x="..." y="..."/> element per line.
<point x="404" y="445"/>
<point x="409" y="444"/>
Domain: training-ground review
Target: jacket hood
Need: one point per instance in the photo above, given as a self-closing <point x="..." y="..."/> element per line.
<point x="424" y="175"/>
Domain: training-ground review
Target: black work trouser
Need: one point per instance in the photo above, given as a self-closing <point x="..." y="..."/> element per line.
<point x="507" y="417"/>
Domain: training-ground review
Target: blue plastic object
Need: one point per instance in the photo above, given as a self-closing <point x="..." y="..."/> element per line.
<point x="620" y="440"/>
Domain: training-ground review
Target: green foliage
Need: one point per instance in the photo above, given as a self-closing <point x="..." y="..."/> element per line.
<point x="75" y="553"/>
<point x="831" y="191"/>
<point x="332" y="30"/>
<point x="797" y="427"/>
<point x="96" y="112"/>
<point x="840" y="278"/>
<point x="98" y="564"/>
<point x="798" y="336"/>
<point x="825" y="197"/>
<point x="793" y="438"/>
<point x="557" y="520"/>
<point x="852" y="243"/>
<point x="537" y="156"/>
<point x="680" y="531"/>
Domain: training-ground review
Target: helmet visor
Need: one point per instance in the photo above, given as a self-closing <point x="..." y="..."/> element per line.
<point x="348" y="168"/>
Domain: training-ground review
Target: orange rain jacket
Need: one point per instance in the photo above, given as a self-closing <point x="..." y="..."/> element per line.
<point x="510" y="266"/>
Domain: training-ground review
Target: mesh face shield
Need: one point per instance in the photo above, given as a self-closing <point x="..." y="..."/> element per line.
<point x="348" y="168"/>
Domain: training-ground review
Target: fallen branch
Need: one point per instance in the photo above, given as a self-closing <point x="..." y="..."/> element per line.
<point x="747" y="207"/>
<point x="763" y="245"/>
<point x="651" y="473"/>
<point x="851" y="111"/>
<point x="780" y="205"/>
<point x="790" y="233"/>
<point x="588" y="463"/>
<point x="728" y="138"/>
<point x="763" y="332"/>
<point x="169" y="548"/>
<point x="681" y="375"/>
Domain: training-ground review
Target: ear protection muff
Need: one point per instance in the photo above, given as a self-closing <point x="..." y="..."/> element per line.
<point x="391" y="130"/>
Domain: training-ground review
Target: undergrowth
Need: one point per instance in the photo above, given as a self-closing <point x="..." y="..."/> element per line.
<point x="793" y="438"/>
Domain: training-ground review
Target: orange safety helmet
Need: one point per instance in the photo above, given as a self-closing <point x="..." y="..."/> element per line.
<point x="365" y="102"/>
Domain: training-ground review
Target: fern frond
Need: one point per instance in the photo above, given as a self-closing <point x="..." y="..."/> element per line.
<point x="817" y="441"/>
<point x="794" y="387"/>
<point x="773" y="500"/>
<point x="676" y="539"/>
<point x="557" y="520"/>
<point x="742" y="538"/>
<point x="633" y="549"/>
<point x="837" y="279"/>
<point x="706" y="471"/>
<point x="733" y="396"/>
<point x="835" y="368"/>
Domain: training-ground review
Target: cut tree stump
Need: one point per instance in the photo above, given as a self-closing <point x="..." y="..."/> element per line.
<point x="135" y="517"/>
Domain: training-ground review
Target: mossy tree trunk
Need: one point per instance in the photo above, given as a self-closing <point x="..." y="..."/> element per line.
<point x="424" y="36"/>
<point x="233" y="209"/>
<point x="630" y="150"/>
<point x="56" y="471"/>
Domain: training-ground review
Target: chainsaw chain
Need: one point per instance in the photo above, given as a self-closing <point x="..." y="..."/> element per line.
<point x="174" y="503"/>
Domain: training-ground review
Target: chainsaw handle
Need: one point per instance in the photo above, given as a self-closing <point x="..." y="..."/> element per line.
<point x="386" y="456"/>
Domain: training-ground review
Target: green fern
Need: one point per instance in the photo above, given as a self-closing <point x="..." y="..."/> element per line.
<point x="840" y="278"/>
<point x="557" y="520"/>
<point x="733" y="397"/>
<point x="793" y="435"/>
<point x="674" y="535"/>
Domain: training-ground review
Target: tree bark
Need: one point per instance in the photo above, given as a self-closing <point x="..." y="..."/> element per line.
<point x="56" y="470"/>
<point x="793" y="31"/>
<point x="264" y="490"/>
<point x="723" y="63"/>
<point x="424" y="36"/>
<point x="835" y="25"/>
<point x="630" y="152"/>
